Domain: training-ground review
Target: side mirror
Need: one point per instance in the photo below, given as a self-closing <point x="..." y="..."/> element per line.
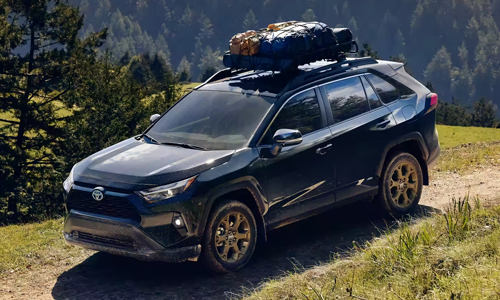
<point x="283" y="138"/>
<point x="153" y="118"/>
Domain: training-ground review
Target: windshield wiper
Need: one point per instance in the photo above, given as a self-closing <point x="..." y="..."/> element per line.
<point x="183" y="145"/>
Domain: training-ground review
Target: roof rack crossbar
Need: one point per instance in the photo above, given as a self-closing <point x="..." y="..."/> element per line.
<point x="331" y="69"/>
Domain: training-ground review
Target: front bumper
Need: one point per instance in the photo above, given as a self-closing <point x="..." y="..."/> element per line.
<point x="120" y="237"/>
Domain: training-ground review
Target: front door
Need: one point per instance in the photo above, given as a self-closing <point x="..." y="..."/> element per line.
<point x="299" y="174"/>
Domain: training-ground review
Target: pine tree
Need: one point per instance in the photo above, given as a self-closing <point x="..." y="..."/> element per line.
<point x="439" y="72"/>
<point x="452" y="114"/>
<point x="210" y="62"/>
<point x="309" y="16"/>
<point x="88" y="31"/>
<point x="368" y="52"/>
<point x="206" y="30"/>
<point x="184" y="70"/>
<point x="126" y="58"/>
<point x="250" y="22"/>
<point x="160" y="68"/>
<point x="187" y="17"/>
<point x="84" y="6"/>
<point x="164" y="30"/>
<point x="161" y="47"/>
<point x="103" y="8"/>
<point x="483" y="114"/>
<point x="32" y="84"/>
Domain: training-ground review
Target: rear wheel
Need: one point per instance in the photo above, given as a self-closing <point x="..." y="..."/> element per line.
<point x="402" y="184"/>
<point x="230" y="237"/>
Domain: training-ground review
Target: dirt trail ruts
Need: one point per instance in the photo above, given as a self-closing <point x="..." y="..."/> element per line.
<point x="301" y="245"/>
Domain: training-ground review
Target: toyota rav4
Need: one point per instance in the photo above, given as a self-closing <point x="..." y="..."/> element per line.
<point x="250" y="151"/>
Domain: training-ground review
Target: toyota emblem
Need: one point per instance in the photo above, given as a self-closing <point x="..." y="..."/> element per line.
<point x="98" y="193"/>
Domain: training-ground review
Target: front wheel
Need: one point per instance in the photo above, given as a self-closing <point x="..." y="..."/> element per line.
<point x="402" y="184"/>
<point x="230" y="237"/>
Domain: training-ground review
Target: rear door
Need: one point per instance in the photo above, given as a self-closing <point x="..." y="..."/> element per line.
<point x="360" y="126"/>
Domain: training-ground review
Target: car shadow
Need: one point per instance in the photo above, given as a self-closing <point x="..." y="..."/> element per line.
<point x="291" y="248"/>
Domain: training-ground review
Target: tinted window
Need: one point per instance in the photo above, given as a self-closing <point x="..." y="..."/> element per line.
<point x="404" y="91"/>
<point x="371" y="95"/>
<point x="213" y="120"/>
<point x="302" y="112"/>
<point x="386" y="91"/>
<point x="347" y="99"/>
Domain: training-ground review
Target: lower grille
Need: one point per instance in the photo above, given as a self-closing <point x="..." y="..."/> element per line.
<point x="112" y="206"/>
<point x="105" y="240"/>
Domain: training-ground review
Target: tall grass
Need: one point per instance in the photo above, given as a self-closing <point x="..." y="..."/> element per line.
<point x="449" y="255"/>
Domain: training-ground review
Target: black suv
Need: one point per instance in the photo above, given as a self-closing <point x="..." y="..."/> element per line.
<point x="251" y="151"/>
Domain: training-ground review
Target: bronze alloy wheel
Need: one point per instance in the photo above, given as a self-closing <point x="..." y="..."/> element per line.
<point x="401" y="184"/>
<point x="232" y="237"/>
<point x="404" y="185"/>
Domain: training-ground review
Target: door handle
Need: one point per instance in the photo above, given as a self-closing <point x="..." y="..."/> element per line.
<point x="383" y="124"/>
<point x="322" y="151"/>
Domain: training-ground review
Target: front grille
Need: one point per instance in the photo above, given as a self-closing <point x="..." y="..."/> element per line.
<point x="112" y="206"/>
<point x="105" y="240"/>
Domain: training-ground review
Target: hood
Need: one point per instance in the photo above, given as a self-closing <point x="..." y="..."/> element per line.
<point x="135" y="165"/>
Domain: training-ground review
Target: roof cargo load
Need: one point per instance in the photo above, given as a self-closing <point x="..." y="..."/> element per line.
<point x="285" y="46"/>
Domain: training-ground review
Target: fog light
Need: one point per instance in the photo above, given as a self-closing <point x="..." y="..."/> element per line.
<point x="178" y="222"/>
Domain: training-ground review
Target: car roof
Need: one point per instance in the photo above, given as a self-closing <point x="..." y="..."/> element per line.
<point x="275" y="84"/>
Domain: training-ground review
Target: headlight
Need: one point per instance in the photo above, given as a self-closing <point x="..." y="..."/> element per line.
<point x="68" y="183"/>
<point x="166" y="191"/>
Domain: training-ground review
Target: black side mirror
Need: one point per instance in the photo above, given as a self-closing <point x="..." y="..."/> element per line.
<point x="283" y="138"/>
<point x="153" y="118"/>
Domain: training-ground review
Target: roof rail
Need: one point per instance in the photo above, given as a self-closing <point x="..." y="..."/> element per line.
<point x="331" y="69"/>
<point x="222" y="74"/>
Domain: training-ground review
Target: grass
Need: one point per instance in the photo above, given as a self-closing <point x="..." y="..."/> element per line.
<point x="33" y="245"/>
<point x="453" y="136"/>
<point x="469" y="157"/>
<point x="186" y="88"/>
<point x="454" y="255"/>
<point x="61" y="112"/>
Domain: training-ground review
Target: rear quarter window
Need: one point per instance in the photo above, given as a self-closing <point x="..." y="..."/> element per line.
<point x="388" y="89"/>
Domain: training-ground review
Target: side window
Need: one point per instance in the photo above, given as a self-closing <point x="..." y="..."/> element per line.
<point x="386" y="91"/>
<point x="347" y="99"/>
<point x="302" y="112"/>
<point x="371" y="95"/>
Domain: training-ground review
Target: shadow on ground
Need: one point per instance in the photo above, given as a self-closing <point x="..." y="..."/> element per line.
<point x="303" y="244"/>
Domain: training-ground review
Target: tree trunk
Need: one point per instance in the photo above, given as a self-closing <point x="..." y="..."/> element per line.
<point x="20" y="151"/>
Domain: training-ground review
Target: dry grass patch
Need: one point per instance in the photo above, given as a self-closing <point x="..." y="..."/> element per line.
<point x="33" y="245"/>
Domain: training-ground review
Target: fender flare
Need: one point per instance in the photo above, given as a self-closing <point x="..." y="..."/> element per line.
<point x="412" y="136"/>
<point x="248" y="183"/>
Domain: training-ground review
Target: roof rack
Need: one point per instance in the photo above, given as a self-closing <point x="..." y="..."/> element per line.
<point x="337" y="67"/>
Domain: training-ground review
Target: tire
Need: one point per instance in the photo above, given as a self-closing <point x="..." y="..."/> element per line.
<point x="401" y="186"/>
<point x="220" y="254"/>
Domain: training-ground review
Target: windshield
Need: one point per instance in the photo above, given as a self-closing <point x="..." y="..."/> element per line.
<point x="212" y="120"/>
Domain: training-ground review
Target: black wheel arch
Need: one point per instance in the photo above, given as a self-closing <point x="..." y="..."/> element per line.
<point x="412" y="143"/>
<point x="246" y="190"/>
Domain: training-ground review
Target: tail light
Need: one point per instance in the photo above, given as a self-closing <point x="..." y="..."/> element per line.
<point x="432" y="102"/>
<point x="434" y="99"/>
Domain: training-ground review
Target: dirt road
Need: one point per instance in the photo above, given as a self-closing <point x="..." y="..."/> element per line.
<point x="301" y="245"/>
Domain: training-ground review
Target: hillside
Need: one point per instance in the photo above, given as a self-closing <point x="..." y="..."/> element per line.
<point x="35" y="263"/>
<point x="455" y="44"/>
